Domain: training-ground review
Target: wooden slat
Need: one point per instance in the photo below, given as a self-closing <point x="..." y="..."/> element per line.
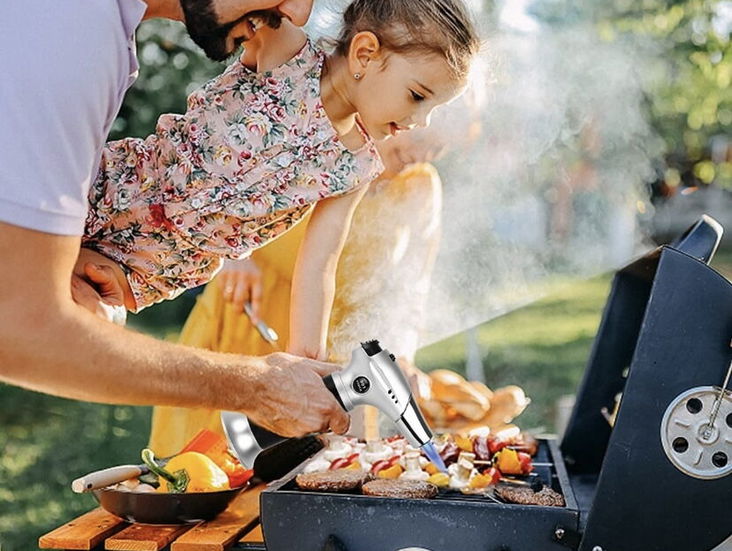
<point x="219" y="533"/>
<point x="84" y="532"/>
<point x="254" y="535"/>
<point x="145" y="537"/>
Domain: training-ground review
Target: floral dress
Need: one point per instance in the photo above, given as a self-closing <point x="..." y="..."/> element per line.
<point x="251" y="155"/>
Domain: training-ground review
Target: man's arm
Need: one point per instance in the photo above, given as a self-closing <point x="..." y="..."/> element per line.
<point x="50" y="344"/>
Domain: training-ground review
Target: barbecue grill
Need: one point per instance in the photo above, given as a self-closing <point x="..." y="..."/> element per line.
<point x="657" y="480"/>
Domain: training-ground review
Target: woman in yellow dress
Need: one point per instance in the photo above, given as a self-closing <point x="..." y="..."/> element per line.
<point x="382" y="283"/>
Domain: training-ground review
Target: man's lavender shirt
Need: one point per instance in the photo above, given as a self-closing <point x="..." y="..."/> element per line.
<point x="64" y="69"/>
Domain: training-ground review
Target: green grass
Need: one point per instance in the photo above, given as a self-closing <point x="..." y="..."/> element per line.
<point x="47" y="441"/>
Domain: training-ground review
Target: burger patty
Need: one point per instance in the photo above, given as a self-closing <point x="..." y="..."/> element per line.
<point x="524" y="495"/>
<point x="341" y="480"/>
<point x="400" y="488"/>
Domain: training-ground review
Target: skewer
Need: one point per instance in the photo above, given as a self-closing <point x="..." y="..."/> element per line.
<point x="490" y="462"/>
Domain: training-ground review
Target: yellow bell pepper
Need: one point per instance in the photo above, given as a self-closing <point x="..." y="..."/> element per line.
<point x="479" y="481"/>
<point x="508" y="461"/>
<point x="464" y="443"/>
<point x="391" y="472"/>
<point x="355" y="466"/>
<point x="187" y="473"/>
<point x="441" y="480"/>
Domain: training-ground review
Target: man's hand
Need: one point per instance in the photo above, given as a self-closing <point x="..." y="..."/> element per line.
<point x="240" y="281"/>
<point x="293" y="400"/>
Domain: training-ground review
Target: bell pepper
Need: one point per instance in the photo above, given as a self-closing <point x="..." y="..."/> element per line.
<point x="494" y="474"/>
<point x="239" y="475"/>
<point x="464" y="443"/>
<point x="525" y="462"/>
<point x="496" y="444"/>
<point x="204" y="442"/>
<point x="391" y="472"/>
<point x="441" y="480"/>
<point x="507" y="461"/>
<point x="187" y="473"/>
<point x="214" y="446"/>
<point x="480" y="481"/>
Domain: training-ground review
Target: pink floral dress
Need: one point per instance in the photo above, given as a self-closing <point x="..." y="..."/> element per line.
<point x="252" y="154"/>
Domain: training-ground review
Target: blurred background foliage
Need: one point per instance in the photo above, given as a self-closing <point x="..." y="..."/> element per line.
<point x="688" y="64"/>
<point x="47" y="441"/>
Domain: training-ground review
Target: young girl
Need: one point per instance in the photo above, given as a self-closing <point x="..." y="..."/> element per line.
<point x="375" y="262"/>
<point x="283" y="128"/>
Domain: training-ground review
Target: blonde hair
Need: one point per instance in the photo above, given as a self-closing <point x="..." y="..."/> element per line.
<point x="442" y="27"/>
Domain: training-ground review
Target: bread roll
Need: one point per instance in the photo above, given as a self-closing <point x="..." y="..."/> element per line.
<point x="507" y="403"/>
<point x="484" y="390"/>
<point x="449" y="387"/>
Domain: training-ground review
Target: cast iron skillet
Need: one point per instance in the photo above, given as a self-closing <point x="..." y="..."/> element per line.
<point x="154" y="508"/>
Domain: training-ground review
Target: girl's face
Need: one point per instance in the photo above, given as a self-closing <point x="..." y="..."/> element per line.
<point x="400" y="92"/>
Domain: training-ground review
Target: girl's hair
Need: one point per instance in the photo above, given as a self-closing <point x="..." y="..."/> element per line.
<point x="442" y="27"/>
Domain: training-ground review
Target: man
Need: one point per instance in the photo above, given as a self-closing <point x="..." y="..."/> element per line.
<point x="65" y="68"/>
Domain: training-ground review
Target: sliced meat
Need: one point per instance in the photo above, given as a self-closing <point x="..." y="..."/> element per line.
<point x="400" y="488"/>
<point x="341" y="480"/>
<point x="524" y="495"/>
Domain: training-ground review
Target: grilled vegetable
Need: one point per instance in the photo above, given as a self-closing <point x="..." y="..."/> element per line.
<point x="188" y="472"/>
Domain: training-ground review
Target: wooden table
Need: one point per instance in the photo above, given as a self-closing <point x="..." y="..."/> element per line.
<point x="238" y="526"/>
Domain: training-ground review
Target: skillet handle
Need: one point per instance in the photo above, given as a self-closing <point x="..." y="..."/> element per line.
<point x="105" y="477"/>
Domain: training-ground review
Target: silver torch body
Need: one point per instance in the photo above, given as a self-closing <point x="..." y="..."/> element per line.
<point x="372" y="378"/>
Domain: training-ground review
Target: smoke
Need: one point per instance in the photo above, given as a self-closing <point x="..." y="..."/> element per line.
<point x="552" y="188"/>
<point x="545" y="173"/>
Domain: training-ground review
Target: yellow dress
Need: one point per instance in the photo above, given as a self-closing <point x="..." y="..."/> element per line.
<point x="381" y="286"/>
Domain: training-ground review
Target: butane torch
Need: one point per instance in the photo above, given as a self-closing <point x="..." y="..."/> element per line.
<point x="371" y="378"/>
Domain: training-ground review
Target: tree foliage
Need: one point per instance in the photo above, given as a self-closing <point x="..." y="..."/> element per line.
<point x="685" y="50"/>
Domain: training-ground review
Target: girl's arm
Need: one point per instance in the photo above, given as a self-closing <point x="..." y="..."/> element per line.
<point x="313" y="281"/>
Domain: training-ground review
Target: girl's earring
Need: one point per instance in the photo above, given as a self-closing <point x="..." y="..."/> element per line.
<point x="357" y="76"/>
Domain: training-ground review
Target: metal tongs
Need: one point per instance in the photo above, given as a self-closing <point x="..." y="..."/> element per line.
<point x="266" y="332"/>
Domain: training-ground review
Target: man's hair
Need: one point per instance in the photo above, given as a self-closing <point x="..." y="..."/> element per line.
<point x="210" y="34"/>
<point x="442" y="27"/>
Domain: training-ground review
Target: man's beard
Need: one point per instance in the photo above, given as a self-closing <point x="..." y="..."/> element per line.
<point x="210" y="35"/>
